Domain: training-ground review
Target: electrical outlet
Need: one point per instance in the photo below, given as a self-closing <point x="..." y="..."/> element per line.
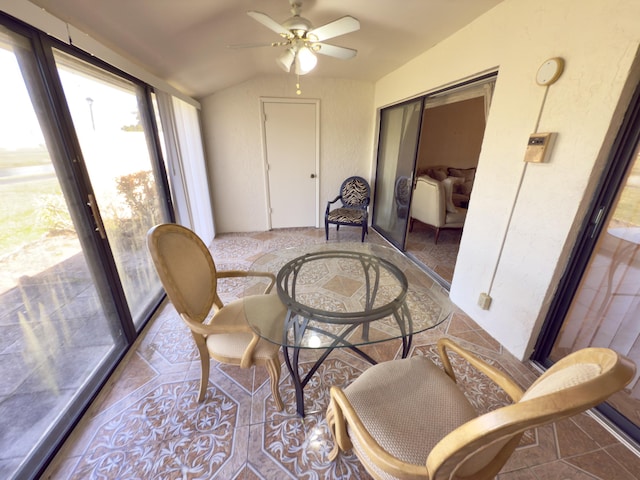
<point x="484" y="302"/>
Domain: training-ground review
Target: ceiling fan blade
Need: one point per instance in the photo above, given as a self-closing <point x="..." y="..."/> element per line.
<point x="336" y="28"/>
<point x="342" y="53"/>
<point x="269" y="22"/>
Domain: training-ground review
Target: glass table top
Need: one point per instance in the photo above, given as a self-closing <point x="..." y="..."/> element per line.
<point x="345" y="294"/>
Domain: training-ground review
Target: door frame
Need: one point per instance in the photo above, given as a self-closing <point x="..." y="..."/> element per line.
<point x="265" y="164"/>
<point x="488" y="77"/>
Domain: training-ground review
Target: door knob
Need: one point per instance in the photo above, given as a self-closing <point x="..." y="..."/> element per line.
<point x="313" y="175"/>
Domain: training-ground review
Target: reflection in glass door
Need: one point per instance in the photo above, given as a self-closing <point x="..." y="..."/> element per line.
<point x="398" y="145"/>
<point x="606" y="307"/>
<point x="598" y="301"/>
<point x="114" y="139"/>
<point x="60" y="329"/>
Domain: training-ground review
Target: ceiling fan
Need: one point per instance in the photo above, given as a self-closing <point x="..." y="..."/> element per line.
<point x="302" y="41"/>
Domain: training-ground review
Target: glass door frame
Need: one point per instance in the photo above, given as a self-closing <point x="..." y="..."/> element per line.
<point x="376" y="200"/>
<point x="82" y="176"/>
<point x="621" y="157"/>
<point x="487" y="77"/>
<point x="74" y="176"/>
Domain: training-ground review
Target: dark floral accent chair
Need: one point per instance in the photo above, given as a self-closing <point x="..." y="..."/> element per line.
<point x="355" y="197"/>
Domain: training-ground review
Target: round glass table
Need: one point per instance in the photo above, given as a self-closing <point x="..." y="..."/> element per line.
<point x="345" y="295"/>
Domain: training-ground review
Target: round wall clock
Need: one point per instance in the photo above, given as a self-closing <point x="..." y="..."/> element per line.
<point x="550" y="71"/>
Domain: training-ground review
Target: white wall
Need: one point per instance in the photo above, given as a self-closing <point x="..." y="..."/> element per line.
<point x="233" y="139"/>
<point x="599" y="42"/>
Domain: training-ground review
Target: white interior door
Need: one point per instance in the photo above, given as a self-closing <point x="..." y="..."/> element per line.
<point x="291" y="151"/>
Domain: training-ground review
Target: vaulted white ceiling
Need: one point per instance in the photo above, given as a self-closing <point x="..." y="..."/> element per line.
<point x="185" y="41"/>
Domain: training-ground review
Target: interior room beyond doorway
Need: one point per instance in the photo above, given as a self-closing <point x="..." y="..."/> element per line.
<point x="448" y="151"/>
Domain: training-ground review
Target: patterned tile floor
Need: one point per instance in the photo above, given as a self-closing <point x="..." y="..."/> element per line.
<point x="147" y="424"/>
<point x="440" y="257"/>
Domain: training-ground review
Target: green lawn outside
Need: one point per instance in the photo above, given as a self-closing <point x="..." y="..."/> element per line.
<point x="20" y="206"/>
<point x="25" y="157"/>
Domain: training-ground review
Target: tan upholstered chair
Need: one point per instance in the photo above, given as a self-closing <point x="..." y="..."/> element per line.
<point x="432" y="205"/>
<point x="189" y="276"/>
<point x="407" y="418"/>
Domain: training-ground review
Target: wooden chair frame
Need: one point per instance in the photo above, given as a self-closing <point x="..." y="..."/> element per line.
<point x="500" y="429"/>
<point x="195" y="317"/>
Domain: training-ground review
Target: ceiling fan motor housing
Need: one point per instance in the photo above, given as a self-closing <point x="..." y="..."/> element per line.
<point x="297" y="24"/>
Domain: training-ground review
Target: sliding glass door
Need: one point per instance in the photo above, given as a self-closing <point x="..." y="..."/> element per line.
<point x="598" y="302"/>
<point x="59" y="323"/>
<point x="439" y="135"/>
<point x="114" y="136"/>
<point x="397" y="148"/>
<point x="79" y="188"/>
<point x="605" y="311"/>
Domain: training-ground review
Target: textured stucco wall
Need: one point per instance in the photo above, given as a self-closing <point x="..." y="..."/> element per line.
<point x="233" y="139"/>
<point x="599" y="42"/>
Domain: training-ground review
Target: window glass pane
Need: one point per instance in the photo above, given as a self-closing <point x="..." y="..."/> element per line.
<point x="399" y="130"/>
<point x="606" y="306"/>
<point x="59" y="326"/>
<point x="109" y="124"/>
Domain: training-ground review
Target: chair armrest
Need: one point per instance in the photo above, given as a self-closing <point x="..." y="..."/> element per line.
<point x="205" y="329"/>
<point x="248" y="273"/>
<point x="499" y="377"/>
<point x="211" y="328"/>
<point x="247" y="357"/>
<point x="331" y="202"/>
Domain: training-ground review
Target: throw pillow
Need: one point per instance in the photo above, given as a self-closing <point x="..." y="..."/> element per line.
<point x="458" y="183"/>
<point x="469" y="174"/>
<point x="466" y="173"/>
<point x="439" y="173"/>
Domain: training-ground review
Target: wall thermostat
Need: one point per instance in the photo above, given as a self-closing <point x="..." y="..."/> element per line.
<point x="539" y="147"/>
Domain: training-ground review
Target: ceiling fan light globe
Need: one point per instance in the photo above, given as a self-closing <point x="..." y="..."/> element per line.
<point x="286" y="59"/>
<point x="305" y="61"/>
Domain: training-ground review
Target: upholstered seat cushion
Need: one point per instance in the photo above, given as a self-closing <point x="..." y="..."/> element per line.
<point x="233" y="345"/>
<point x="399" y="402"/>
<point x="346" y="215"/>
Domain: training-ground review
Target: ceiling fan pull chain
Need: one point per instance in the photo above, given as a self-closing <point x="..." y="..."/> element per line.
<point x="298" y="90"/>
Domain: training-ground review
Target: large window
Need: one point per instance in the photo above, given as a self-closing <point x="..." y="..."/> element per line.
<point x="80" y="185"/>
<point x="114" y="138"/>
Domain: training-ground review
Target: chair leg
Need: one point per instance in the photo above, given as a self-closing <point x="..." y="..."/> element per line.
<point x="274" y="369"/>
<point x="437" y="235"/>
<point x="364" y="230"/>
<point x="204" y="365"/>
<point x="326" y="230"/>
